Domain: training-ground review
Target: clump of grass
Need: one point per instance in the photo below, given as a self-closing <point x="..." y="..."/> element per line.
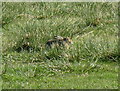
<point x="68" y="26"/>
<point x="54" y="53"/>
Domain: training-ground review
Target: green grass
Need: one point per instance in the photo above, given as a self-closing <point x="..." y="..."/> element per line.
<point x="91" y="61"/>
<point x="23" y="76"/>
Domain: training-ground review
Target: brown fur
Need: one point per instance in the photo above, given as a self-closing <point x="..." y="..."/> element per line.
<point x="59" y="41"/>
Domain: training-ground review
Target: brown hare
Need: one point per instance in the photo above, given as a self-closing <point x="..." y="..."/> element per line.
<point x="59" y="41"/>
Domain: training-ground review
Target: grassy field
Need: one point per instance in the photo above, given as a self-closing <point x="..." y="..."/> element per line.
<point x="91" y="62"/>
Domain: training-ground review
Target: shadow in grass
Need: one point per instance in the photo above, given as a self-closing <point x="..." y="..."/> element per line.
<point x="114" y="57"/>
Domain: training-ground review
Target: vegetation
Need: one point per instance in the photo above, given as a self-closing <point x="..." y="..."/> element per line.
<point x="89" y="63"/>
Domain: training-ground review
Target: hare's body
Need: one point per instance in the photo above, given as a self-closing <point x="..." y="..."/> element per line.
<point x="59" y="41"/>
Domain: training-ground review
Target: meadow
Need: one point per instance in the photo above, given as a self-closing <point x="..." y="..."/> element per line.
<point x="91" y="62"/>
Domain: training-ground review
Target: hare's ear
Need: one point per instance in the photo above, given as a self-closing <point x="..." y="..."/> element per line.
<point x="58" y="37"/>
